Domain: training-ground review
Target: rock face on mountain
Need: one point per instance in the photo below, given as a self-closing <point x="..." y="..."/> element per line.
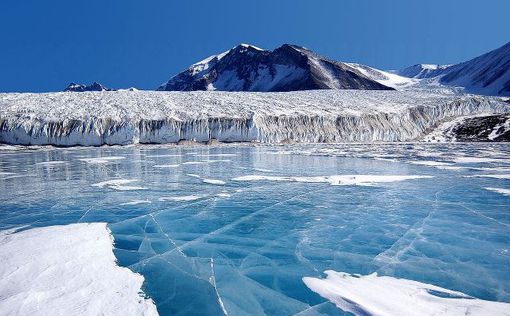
<point x="487" y="74"/>
<point x="478" y="128"/>
<point x="75" y="87"/>
<point x="287" y="68"/>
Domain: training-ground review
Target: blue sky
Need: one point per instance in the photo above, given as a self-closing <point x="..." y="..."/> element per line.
<point x="44" y="45"/>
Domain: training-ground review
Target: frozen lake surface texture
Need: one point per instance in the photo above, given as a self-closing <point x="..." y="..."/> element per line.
<point x="379" y="229"/>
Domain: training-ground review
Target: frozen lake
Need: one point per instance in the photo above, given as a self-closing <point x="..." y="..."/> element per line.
<point x="234" y="229"/>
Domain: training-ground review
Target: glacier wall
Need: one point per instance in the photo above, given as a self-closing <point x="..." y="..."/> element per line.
<point x="120" y="118"/>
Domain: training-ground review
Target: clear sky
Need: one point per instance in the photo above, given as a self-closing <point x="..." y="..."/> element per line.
<point x="46" y="44"/>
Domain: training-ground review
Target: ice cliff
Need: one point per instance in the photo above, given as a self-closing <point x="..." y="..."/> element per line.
<point x="127" y="117"/>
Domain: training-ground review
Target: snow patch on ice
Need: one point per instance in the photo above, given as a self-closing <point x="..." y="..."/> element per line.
<point x="382" y="295"/>
<point x="184" y="198"/>
<point x="136" y="202"/>
<point x="166" y="166"/>
<point x="214" y="181"/>
<point x="364" y="180"/>
<point x="51" y="163"/>
<point x="67" y="270"/>
<point x="494" y="176"/>
<point x="500" y="190"/>
<point x="431" y="163"/>
<point x="476" y="160"/>
<point x="101" y="160"/>
<point x="119" y="185"/>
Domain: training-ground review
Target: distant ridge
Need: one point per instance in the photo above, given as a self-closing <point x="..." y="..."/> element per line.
<point x="487" y="74"/>
<point x="95" y="86"/>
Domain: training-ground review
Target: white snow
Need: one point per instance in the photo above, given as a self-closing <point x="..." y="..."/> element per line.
<point x="67" y="270"/>
<point x="386" y="78"/>
<point x="214" y="181"/>
<point x="183" y="198"/>
<point x="468" y="160"/>
<point x="500" y="129"/>
<point x="136" y="202"/>
<point x="101" y="160"/>
<point x="119" y="185"/>
<point x="431" y="163"/>
<point x="494" y="176"/>
<point x="387" y="296"/>
<point x="120" y="117"/>
<point x="500" y="190"/>
<point x="51" y="163"/>
<point x="166" y="166"/>
<point x="363" y="180"/>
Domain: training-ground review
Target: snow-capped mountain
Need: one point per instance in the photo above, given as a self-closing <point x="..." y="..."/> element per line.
<point x="421" y="71"/>
<point x="488" y="74"/>
<point x="287" y="68"/>
<point x="95" y="86"/>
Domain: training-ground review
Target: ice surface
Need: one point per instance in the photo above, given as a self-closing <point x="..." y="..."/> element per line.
<point x="243" y="247"/>
<point x="67" y="270"/>
<point x="382" y="295"/>
<point x="120" y="117"/>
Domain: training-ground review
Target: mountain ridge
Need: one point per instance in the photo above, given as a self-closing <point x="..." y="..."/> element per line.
<point x="286" y="68"/>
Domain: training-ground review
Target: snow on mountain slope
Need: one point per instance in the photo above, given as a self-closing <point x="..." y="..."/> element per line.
<point x="487" y="74"/>
<point x="421" y="71"/>
<point x="386" y="78"/>
<point x="127" y="117"/>
<point x="287" y="68"/>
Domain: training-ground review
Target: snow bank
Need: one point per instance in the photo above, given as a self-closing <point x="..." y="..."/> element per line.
<point x="385" y="296"/>
<point x="67" y="270"/>
<point x="99" y="118"/>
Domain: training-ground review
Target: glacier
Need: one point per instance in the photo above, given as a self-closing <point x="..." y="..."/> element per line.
<point x="150" y="117"/>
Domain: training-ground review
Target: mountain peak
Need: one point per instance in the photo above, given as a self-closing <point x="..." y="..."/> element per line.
<point x="287" y="68"/>
<point x="76" y="87"/>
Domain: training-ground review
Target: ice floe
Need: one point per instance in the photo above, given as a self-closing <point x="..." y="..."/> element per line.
<point x="387" y="296"/>
<point x="67" y="270"/>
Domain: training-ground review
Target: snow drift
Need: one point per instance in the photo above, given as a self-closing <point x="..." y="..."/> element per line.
<point x="383" y="296"/>
<point x="67" y="270"/>
<point x="129" y="117"/>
